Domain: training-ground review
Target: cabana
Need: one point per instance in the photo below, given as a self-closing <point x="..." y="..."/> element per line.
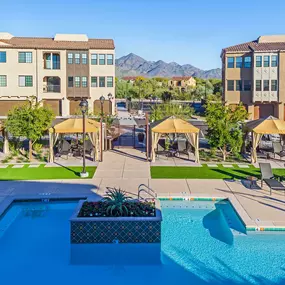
<point x="260" y="127"/>
<point x="173" y="125"/>
<point x="73" y="126"/>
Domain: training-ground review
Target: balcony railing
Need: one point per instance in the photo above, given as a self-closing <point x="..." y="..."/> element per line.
<point x="49" y="88"/>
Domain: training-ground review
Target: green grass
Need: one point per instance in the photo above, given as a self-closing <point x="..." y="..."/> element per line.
<point x="25" y="173"/>
<point x="205" y="172"/>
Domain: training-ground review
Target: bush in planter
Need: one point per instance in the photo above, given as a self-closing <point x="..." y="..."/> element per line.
<point x="115" y="201"/>
<point x="117" y="204"/>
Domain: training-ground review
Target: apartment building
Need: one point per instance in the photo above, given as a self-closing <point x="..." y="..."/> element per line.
<point x="182" y="82"/>
<point x="58" y="71"/>
<point x="254" y="73"/>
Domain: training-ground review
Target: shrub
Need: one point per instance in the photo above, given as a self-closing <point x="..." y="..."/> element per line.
<point x="117" y="204"/>
<point x="37" y="147"/>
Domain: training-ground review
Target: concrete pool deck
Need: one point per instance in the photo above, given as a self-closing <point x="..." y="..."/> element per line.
<point x="127" y="170"/>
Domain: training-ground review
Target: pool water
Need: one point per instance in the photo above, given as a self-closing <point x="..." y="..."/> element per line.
<point x="202" y="243"/>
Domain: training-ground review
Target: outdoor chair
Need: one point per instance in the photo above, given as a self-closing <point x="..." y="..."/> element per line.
<point x="268" y="177"/>
<point x="88" y="147"/>
<point x="64" y="148"/>
<point x="277" y="149"/>
<point x="161" y="148"/>
<point x="182" y="147"/>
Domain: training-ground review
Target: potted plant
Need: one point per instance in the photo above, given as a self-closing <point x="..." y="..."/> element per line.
<point x="116" y="216"/>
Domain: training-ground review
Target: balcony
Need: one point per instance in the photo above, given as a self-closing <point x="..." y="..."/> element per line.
<point x="51" y="84"/>
<point x="51" y="61"/>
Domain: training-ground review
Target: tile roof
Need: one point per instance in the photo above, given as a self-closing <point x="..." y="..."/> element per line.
<point x="49" y="43"/>
<point x="256" y="46"/>
<point x="181" y="78"/>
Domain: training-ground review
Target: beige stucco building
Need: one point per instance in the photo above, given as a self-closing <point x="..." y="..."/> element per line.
<point x="254" y="74"/>
<point x="182" y="82"/>
<point x="59" y="71"/>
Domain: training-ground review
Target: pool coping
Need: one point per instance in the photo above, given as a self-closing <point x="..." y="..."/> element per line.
<point x="249" y="224"/>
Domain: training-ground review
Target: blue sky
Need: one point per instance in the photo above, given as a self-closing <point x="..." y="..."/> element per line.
<point x="184" y="31"/>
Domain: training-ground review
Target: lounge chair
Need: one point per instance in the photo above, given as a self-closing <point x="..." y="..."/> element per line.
<point x="277" y="149"/>
<point x="268" y="177"/>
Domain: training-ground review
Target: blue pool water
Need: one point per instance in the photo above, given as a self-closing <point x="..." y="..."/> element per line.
<point x="202" y="243"/>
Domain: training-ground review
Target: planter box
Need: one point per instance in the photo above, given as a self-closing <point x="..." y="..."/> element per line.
<point x="115" y="229"/>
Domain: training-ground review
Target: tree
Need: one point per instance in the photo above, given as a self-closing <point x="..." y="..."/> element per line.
<point x="161" y="111"/>
<point x="224" y="127"/>
<point x="30" y="120"/>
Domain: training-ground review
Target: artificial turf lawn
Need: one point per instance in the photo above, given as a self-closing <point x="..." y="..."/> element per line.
<point x="25" y="173"/>
<point x="205" y="172"/>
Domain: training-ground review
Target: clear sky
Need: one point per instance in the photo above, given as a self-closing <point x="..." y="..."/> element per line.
<point x="184" y="31"/>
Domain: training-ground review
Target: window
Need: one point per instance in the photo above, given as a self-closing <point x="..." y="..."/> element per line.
<point x="25" y="57"/>
<point x="101" y="59"/>
<point x="55" y="61"/>
<point x="70" y="58"/>
<point x="238" y="85"/>
<point x="110" y="59"/>
<point x="77" y="58"/>
<point x="265" y="85"/>
<point x="77" y="81"/>
<point x="231" y="62"/>
<point x="110" y="81"/>
<point x="258" y="85"/>
<point x="247" y="62"/>
<point x="84" y="58"/>
<point x="231" y="85"/>
<point x="273" y="85"/>
<point x="247" y="85"/>
<point x="101" y="81"/>
<point x="70" y="81"/>
<point x="25" y="81"/>
<point x="273" y="60"/>
<point x="3" y="80"/>
<point x="2" y="56"/>
<point x="84" y="81"/>
<point x="239" y="62"/>
<point x="266" y="60"/>
<point x="94" y="58"/>
<point x="93" y="81"/>
<point x="259" y="61"/>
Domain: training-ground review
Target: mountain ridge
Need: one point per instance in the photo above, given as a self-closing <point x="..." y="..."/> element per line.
<point x="134" y="65"/>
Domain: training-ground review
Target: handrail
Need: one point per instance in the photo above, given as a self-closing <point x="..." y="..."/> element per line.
<point x="147" y="190"/>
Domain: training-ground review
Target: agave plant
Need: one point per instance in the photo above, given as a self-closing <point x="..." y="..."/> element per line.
<point x="116" y="200"/>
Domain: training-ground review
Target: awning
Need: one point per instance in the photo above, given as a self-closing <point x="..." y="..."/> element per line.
<point x="172" y="125"/>
<point x="75" y="125"/>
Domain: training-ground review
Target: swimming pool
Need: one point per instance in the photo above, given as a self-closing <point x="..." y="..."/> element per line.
<point x="202" y="243"/>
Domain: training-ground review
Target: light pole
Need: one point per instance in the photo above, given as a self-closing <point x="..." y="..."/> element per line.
<point x="84" y="108"/>
<point x="110" y="97"/>
<point x="102" y="100"/>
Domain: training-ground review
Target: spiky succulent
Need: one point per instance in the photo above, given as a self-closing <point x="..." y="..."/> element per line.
<point x="116" y="200"/>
